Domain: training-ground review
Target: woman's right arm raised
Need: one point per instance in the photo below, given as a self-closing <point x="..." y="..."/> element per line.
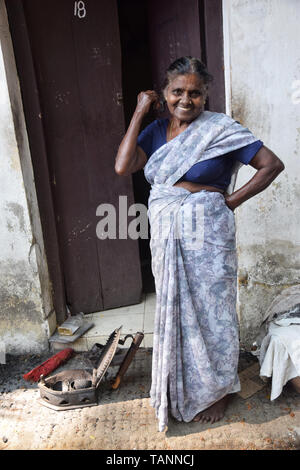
<point x="130" y="157"/>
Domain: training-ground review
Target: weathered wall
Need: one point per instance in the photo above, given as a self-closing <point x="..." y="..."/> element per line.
<point x="262" y="60"/>
<point x="26" y="313"/>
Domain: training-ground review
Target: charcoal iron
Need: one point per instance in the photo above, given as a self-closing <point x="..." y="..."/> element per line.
<point x="77" y="388"/>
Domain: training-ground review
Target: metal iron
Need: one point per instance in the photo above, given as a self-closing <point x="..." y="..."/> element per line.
<point x="77" y="388"/>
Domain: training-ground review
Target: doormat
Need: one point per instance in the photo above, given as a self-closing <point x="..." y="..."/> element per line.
<point x="250" y="380"/>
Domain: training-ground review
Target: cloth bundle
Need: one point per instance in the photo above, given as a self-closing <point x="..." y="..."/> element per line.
<point x="278" y="342"/>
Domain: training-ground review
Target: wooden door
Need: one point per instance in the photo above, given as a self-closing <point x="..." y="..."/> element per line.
<point x="188" y="28"/>
<point x="77" y="62"/>
<point x="174" y="28"/>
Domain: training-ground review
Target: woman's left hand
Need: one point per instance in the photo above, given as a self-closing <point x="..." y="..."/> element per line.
<point x="268" y="167"/>
<point x="230" y="204"/>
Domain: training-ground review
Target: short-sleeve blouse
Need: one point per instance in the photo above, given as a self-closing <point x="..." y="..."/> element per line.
<point x="214" y="172"/>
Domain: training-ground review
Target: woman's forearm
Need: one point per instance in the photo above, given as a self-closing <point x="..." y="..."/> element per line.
<point x="260" y="181"/>
<point x="126" y="155"/>
<point x="131" y="158"/>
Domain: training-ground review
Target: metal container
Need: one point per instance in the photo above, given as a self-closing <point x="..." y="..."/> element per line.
<point x="77" y="388"/>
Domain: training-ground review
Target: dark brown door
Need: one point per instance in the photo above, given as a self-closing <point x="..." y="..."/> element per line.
<point x="76" y="55"/>
<point x="174" y="27"/>
<point x="191" y="27"/>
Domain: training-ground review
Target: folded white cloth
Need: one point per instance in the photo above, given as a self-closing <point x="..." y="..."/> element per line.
<point x="279" y="340"/>
<point x="280" y="356"/>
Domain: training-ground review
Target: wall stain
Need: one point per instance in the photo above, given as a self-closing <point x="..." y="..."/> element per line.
<point x="265" y="270"/>
<point x="22" y="324"/>
<point x="18" y="211"/>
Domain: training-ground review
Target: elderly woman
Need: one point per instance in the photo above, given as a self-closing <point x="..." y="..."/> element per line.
<point x="191" y="161"/>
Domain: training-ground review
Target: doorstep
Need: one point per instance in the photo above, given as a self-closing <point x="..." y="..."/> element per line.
<point x="134" y="318"/>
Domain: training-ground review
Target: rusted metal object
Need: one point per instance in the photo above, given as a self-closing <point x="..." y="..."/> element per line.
<point x="77" y="388"/>
<point x="136" y="341"/>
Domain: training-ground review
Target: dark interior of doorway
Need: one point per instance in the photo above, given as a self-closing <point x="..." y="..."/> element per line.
<point x="136" y="76"/>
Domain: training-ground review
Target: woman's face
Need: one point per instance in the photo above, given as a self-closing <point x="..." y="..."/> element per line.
<point x="185" y="96"/>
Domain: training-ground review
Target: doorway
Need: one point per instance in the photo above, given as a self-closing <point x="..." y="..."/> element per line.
<point x="81" y="66"/>
<point x="137" y="76"/>
<point x="153" y="33"/>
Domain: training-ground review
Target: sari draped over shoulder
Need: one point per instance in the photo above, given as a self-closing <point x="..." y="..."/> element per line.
<point x="196" y="336"/>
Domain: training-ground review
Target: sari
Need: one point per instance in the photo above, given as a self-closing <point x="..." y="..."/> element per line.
<point x="194" y="263"/>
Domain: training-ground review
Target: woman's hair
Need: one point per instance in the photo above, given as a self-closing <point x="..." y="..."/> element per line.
<point x="185" y="65"/>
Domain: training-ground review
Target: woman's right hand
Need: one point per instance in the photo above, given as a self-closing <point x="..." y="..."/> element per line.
<point x="130" y="157"/>
<point x="145" y="100"/>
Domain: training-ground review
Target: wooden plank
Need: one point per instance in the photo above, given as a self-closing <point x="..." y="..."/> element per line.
<point x="193" y="27"/>
<point x="211" y="11"/>
<point x="173" y="32"/>
<point x="103" y="121"/>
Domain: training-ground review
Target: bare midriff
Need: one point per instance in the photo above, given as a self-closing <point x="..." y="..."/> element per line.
<point x="195" y="187"/>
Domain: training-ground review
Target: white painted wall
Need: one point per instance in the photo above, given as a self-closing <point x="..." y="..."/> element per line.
<point x="262" y="67"/>
<point x="26" y="312"/>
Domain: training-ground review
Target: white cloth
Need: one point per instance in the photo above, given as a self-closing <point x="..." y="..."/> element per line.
<point x="280" y="356"/>
<point x="279" y="340"/>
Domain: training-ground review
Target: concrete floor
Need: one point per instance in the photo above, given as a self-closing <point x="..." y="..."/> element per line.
<point x="138" y="317"/>
<point x="124" y="419"/>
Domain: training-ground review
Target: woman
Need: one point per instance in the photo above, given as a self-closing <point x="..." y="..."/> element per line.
<point x="191" y="161"/>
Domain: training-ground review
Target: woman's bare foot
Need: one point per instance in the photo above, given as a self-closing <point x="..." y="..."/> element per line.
<point x="215" y="412"/>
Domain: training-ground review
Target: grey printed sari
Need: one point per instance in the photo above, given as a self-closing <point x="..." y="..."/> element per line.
<point x="196" y="337"/>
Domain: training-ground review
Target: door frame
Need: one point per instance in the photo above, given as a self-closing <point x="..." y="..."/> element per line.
<point x="36" y="138"/>
<point x="212" y="34"/>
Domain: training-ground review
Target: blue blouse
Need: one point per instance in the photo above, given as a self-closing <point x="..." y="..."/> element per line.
<point x="214" y="172"/>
